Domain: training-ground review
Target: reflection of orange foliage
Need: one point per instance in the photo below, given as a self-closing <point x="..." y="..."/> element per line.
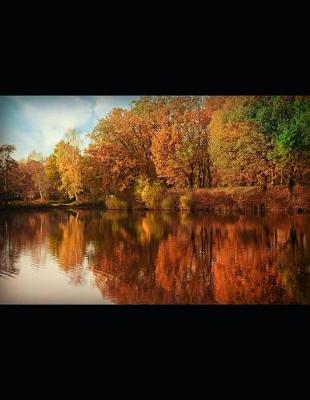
<point x="146" y="230"/>
<point x="246" y="268"/>
<point x="72" y="246"/>
<point x="210" y="259"/>
<point x="182" y="270"/>
<point x="180" y="276"/>
<point x="171" y="264"/>
<point x="167" y="258"/>
<point x="247" y="283"/>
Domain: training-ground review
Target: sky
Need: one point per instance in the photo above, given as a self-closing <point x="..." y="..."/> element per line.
<point x="39" y="122"/>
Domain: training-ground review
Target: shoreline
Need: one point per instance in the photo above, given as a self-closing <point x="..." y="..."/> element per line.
<point x="29" y="207"/>
<point x="275" y="200"/>
<point x="49" y="206"/>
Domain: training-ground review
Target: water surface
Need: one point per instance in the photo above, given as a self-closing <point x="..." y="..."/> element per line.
<point x="97" y="257"/>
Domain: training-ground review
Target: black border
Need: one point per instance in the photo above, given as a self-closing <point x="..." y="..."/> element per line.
<point x="227" y="71"/>
<point x="33" y="71"/>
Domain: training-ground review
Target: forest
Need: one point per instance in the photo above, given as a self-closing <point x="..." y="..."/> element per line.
<point x="166" y="151"/>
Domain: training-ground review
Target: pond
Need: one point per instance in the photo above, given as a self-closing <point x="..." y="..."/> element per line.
<point x="120" y="257"/>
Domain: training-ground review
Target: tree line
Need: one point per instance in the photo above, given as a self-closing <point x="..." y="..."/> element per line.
<point x="172" y="142"/>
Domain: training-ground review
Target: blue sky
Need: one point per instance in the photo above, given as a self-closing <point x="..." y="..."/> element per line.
<point x="39" y="122"/>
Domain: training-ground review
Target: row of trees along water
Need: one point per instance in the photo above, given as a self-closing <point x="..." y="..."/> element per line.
<point x="171" y="142"/>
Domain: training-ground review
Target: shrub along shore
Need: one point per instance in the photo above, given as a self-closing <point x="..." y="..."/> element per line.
<point x="244" y="199"/>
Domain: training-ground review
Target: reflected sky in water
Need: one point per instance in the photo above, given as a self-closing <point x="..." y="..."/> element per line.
<point x="97" y="257"/>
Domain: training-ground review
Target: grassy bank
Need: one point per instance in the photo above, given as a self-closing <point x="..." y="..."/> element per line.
<point x="245" y="199"/>
<point x="253" y="199"/>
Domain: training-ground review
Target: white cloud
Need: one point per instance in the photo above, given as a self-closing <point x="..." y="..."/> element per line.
<point x="52" y="116"/>
<point x="39" y="122"/>
<point x="103" y="106"/>
<point x="24" y="143"/>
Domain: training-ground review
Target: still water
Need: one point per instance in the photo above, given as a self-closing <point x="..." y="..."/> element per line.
<point x="97" y="257"/>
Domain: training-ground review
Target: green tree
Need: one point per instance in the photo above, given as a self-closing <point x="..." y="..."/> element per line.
<point x="285" y="121"/>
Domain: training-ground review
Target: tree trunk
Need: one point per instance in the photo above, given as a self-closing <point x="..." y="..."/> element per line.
<point x="281" y="181"/>
<point x="291" y="183"/>
<point x="202" y="174"/>
<point x="209" y="171"/>
<point x="6" y="174"/>
<point x="273" y="177"/>
<point x="191" y="178"/>
<point x="203" y="178"/>
<point x="265" y="182"/>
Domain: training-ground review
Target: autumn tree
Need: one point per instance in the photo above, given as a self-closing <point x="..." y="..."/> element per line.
<point x="35" y="166"/>
<point x="31" y="179"/>
<point x="240" y="152"/>
<point x="7" y="167"/>
<point x="53" y="174"/>
<point x="181" y="147"/>
<point x="121" y="147"/>
<point x="25" y="184"/>
<point x="105" y="171"/>
<point x="69" y="163"/>
<point x="162" y="137"/>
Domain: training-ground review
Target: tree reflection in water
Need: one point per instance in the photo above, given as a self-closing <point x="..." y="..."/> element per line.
<point x="166" y="257"/>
